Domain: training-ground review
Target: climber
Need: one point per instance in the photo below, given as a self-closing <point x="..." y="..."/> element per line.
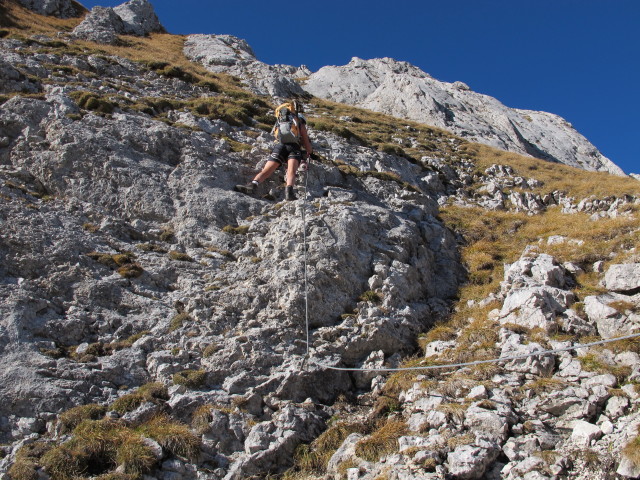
<point x="290" y="131"/>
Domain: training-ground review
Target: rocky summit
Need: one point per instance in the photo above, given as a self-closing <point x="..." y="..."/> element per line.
<point x="374" y="84"/>
<point x="429" y="308"/>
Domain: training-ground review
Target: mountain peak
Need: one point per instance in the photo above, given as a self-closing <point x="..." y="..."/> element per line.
<point x="403" y="90"/>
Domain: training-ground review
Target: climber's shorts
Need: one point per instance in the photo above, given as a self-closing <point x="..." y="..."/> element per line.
<point x="284" y="151"/>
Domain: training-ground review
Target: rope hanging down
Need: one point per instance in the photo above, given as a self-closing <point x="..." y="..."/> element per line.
<point x="425" y="367"/>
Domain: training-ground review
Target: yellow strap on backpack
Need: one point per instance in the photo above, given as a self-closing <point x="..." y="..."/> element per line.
<point x="287" y="105"/>
<point x="293" y="132"/>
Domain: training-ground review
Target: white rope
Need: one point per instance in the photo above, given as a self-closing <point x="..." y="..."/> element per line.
<point x="478" y="362"/>
<point x="304" y="246"/>
<point x="424" y="367"/>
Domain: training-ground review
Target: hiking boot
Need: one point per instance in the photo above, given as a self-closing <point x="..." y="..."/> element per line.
<point x="249" y="188"/>
<point x="289" y="194"/>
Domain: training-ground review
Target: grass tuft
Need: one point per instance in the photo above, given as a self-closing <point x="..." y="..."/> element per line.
<point x="381" y="442"/>
<point x="190" y="378"/>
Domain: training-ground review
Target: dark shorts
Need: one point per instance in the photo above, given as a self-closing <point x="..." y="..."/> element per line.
<point x="285" y="151"/>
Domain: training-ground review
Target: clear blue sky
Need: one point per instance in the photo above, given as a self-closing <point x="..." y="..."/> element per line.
<point x="579" y="59"/>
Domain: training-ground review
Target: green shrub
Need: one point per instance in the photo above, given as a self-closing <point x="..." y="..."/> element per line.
<point x="123" y="263"/>
<point x="136" y="456"/>
<point x="241" y="230"/>
<point x="210" y="350"/>
<point x="132" y="270"/>
<point x="25" y="466"/>
<point x="93" y="102"/>
<point x="64" y="463"/>
<point x="24" y="469"/>
<point x="178" y="321"/>
<point x="168" y="235"/>
<point x="151" y="247"/>
<point x="70" y="419"/>
<point x="172" y="436"/>
<point x="179" y="256"/>
<point x="201" y="418"/>
<point x="382" y="442"/>
<point x="97" y="447"/>
<point x="190" y="378"/>
<point x="154" y="392"/>
<point x="370" y="296"/>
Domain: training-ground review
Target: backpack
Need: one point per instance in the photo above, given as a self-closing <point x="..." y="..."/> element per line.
<point x="286" y="129"/>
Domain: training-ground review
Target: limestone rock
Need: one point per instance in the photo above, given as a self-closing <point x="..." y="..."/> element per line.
<point x="225" y="53"/>
<point x="584" y="433"/>
<point x="104" y="24"/>
<point x="623" y="277"/>
<point x="101" y="25"/>
<point x="470" y="461"/>
<point x="139" y="18"/>
<point x="57" y="8"/>
<point x="610" y="321"/>
<point x="374" y="84"/>
<point x="628" y="469"/>
<point x="12" y="80"/>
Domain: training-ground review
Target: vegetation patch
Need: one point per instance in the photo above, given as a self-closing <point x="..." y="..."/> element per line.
<point x="180" y="256"/>
<point x="381" y="442"/>
<point x="179" y="320"/>
<point x="370" y="296"/>
<point x="154" y="392"/>
<point x="240" y="230"/>
<point x="27" y="461"/>
<point x="99" y="447"/>
<point x="631" y="451"/>
<point x="70" y="419"/>
<point x="151" y="247"/>
<point x="190" y="378"/>
<point x="592" y="362"/>
<point x="91" y="101"/>
<point x="312" y="459"/>
<point x="124" y="263"/>
<point x="172" y="436"/>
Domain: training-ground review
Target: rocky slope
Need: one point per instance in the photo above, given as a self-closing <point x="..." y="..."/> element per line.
<point x="374" y="84"/>
<point x="152" y="321"/>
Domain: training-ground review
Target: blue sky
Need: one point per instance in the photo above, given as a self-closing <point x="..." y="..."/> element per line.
<point x="579" y="59"/>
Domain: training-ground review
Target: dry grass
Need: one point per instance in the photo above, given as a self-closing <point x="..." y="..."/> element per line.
<point x="19" y="20"/>
<point x="544" y="385"/>
<point x="172" y="436"/>
<point x="154" y="392"/>
<point x="380" y="131"/>
<point x="190" y="378"/>
<point x="70" y="419"/>
<point x="632" y="451"/>
<point x="593" y="362"/>
<point x="574" y="182"/>
<point x="381" y="442"/>
<point x="453" y="411"/>
<point x="312" y="459"/>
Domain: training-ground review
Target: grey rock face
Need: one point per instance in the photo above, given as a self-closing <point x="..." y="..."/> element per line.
<point x="101" y="25"/>
<point x="613" y="322"/>
<point x="623" y="278"/>
<point x="139" y="17"/>
<point x="84" y="194"/>
<point x="12" y="80"/>
<point x="57" y="8"/>
<point x="470" y="461"/>
<point x="104" y="24"/>
<point x="402" y="90"/>
<point x="225" y="53"/>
